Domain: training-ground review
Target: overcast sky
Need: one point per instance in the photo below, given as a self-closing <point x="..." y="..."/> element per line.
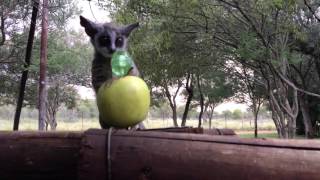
<point x="100" y="14"/>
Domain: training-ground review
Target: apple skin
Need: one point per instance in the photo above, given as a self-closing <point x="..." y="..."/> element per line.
<point x="123" y="102"/>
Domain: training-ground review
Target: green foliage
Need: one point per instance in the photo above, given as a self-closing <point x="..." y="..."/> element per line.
<point x="68" y="59"/>
<point x="217" y="86"/>
<point x="211" y="40"/>
<point x="68" y="65"/>
<point x="62" y="57"/>
<point x="164" y="55"/>
<point x="87" y="109"/>
<point x="237" y="114"/>
<point x="61" y="94"/>
<point x="249" y="47"/>
<point x="227" y="114"/>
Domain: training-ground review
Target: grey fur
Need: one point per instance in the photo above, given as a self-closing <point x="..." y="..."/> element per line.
<point x="100" y="35"/>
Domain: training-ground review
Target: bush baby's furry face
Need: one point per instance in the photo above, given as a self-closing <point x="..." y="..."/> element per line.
<point x="107" y="38"/>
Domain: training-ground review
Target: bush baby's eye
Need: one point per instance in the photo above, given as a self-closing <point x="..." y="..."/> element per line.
<point x="119" y="42"/>
<point x="104" y="41"/>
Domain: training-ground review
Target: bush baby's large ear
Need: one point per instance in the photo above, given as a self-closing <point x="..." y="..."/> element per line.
<point x="126" y="30"/>
<point x="89" y="26"/>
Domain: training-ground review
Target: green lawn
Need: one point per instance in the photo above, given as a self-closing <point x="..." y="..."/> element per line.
<point x="272" y="134"/>
<point x="242" y="128"/>
<point x="31" y="124"/>
<point x="83" y="124"/>
<point x="216" y="123"/>
<point x="266" y="134"/>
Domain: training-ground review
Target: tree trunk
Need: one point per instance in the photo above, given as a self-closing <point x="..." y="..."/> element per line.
<point x="317" y="62"/>
<point x="53" y="124"/>
<point x="201" y="101"/>
<point x="256" y="108"/>
<point x="205" y="112"/>
<point x="277" y="116"/>
<point x="2" y="29"/>
<point x="174" y="112"/>
<point x="174" y="116"/>
<point x="284" y="115"/>
<point x="52" y="109"/>
<point x="256" y="124"/>
<point x="25" y="72"/>
<point x="43" y="66"/>
<point x="210" y="117"/>
<point x="172" y="101"/>
<point x="189" y="89"/>
<point x="309" y="132"/>
<point x="186" y="110"/>
<point x="291" y="128"/>
<point x="51" y="120"/>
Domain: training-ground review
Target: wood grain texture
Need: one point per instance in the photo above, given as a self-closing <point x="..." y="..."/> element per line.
<point x="214" y="131"/>
<point x="39" y="155"/>
<point x="160" y="155"/>
<point x="177" y="130"/>
<point x="146" y="155"/>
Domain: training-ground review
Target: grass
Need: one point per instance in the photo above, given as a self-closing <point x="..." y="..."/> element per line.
<point x="217" y="123"/>
<point x="31" y="124"/>
<point x="270" y="134"/>
<point x="243" y="128"/>
<point x="83" y="124"/>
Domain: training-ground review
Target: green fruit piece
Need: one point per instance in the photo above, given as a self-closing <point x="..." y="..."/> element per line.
<point x="123" y="102"/>
<point x="121" y="63"/>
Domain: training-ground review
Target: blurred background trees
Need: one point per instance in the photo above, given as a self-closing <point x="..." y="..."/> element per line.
<point x="267" y="45"/>
<point x="194" y="55"/>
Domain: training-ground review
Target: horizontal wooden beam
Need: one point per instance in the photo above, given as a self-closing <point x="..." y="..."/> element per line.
<point x="171" y="156"/>
<point x="153" y="155"/>
<point x="177" y="130"/>
<point x="192" y="130"/>
<point x="39" y="155"/>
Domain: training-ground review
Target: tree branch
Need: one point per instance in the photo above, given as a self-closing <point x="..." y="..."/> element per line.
<point x="295" y="87"/>
<point x="311" y="10"/>
<point x="3" y="35"/>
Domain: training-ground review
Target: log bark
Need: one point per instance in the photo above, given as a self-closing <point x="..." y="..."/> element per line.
<point x="153" y="155"/>
<point x="178" y="130"/>
<point x="39" y="155"/>
<point x="219" y="132"/>
<point x="159" y="155"/>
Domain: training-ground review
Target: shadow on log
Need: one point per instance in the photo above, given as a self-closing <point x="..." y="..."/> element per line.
<point x="39" y="155"/>
<point x="154" y="155"/>
<point x="171" y="156"/>
<point x="177" y="130"/>
<point x="219" y="132"/>
<point x="192" y="130"/>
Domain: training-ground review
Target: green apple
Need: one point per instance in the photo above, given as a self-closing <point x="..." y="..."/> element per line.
<point x="123" y="102"/>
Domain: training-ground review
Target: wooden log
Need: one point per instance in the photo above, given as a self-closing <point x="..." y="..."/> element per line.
<point x="153" y="155"/>
<point x="219" y="132"/>
<point x="171" y="156"/>
<point x="192" y="130"/>
<point x="177" y="130"/>
<point x="39" y="155"/>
